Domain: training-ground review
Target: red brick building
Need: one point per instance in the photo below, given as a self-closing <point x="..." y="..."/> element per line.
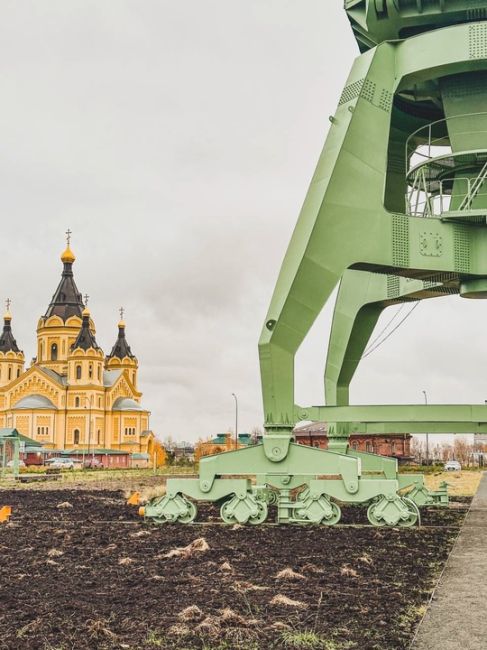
<point x="396" y="445"/>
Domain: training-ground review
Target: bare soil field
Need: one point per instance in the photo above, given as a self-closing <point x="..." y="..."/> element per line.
<point x="80" y="570"/>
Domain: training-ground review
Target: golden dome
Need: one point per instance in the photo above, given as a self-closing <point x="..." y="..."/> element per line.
<point x="121" y="323"/>
<point x="86" y="312"/>
<point x="7" y="315"/>
<point x="68" y="256"/>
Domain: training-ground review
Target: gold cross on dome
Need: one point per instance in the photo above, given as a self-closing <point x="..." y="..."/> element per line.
<point x="8" y="302"/>
<point x="68" y="236"/>
<point x="122" y="312"/>
<point x="86" y="297"/>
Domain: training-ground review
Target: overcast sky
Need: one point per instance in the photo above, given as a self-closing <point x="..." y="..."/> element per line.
<point x="177" y="139"/>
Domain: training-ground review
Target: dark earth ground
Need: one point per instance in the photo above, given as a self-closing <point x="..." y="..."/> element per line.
<point x="95" y="576"/>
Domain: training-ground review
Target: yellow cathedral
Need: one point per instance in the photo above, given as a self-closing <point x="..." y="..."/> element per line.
<point x="73" y="397"/>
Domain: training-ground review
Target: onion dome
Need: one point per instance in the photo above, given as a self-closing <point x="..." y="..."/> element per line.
<point x="68" y="257"/>
<point x="67" y="300"/>
<point x="121" y="349"/>
<point x="86" y="338"/>
<point x="7" y="341"/>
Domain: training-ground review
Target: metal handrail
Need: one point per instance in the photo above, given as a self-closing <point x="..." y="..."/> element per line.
<point x="435" y="204"/>
<point x="430" y="142"/>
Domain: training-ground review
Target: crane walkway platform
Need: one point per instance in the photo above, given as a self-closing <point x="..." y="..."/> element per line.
<point x="456" y="617"/>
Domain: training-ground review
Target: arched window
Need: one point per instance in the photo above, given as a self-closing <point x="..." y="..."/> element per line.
<point x="99" y="373"/>
<point x="38" y="431"/>
<point x="90" y="371"/>
<point x="18" y="372"/>
<point x="9" y="373"/>
<point x="78" y="372"/>
<point x="99" y="401"/>
<point x="76" y="436"/>
<point x="76" y="401"/>
<point x="54" y="352"/>
<point x="98" y="436"/>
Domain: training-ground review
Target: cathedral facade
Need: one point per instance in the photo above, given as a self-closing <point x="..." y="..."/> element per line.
<point x="73" y="396"/>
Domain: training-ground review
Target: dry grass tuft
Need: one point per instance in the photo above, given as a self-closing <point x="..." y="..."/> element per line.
<point x="312" y="568"/>
<point x="156" y="578"/>
<point x="289" y="574"/>
<point x="152" y="492"/>
<point x="55" y="552"/>
<point x="52" y="562"/>
<point x="109" y="548"/>
<point x="140" y="533"/>
<point x="279" y="625"/>
<point x="210" y="626"/>
<point x="366" y="559"/>
<point x="99" y="628"/>
<point x="64" y="505"/>
<point x="279" y="599"/>
<point x="236" y="527"/>
<point x="191" y="613"/>
<point x="242" y="587"/>
<point x="199" y="545"/>
<point x="227" y="615"/>
<point x="227" y="567"/>
<point x="179" y="629"/>
<point x="347" y="570"/>
<point x="239" y="637"/>
<point x="126" y="560"/>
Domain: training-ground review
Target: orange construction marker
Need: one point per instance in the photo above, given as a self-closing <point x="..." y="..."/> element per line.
<point x="5" y="513"/>
<point x="134" y="499"/>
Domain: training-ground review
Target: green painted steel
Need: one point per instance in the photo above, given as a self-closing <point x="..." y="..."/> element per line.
<point x="355" y="226"/>
<point x="396" y="212"/>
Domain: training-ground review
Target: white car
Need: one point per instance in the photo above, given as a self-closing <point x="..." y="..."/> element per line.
<point x="60" y="463"/>
<point x="452" y="466"/>
<point x="11" y="463"/>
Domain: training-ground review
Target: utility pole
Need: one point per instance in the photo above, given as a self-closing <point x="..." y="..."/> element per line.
<point x="236" y="420"/>
<point x="427" y="435"/>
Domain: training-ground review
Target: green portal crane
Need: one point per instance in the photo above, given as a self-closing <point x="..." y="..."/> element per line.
<point x="396" y="212"/>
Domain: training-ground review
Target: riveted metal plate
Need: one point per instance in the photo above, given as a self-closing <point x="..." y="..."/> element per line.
<point x="430" y="244"/>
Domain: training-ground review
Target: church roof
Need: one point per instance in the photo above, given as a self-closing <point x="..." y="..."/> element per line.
<point x="34" y="402"/>
<point x="85" y="339"/>
<point x="67" y="300"/>
<point x="60" y="379"/>
<point x="110" y="377"/>
<point x="7" y="341"/>
<point x="126" y="404"/>
<point x="121" y="349"/>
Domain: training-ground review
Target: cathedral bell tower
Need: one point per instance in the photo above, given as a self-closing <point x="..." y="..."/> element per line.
<point x="57" y="330"/>
<point x="11" y="358"/>
<point x="85" y="359"/>
<point x="121" y="357"/>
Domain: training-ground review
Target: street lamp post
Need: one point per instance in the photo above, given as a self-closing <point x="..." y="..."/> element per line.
<point x="89" y="431"/>
<point x="236" y="420"/>
<point x="427" y="435"/>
